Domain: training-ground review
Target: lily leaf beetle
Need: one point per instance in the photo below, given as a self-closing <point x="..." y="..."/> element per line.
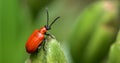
<point x="38" y="36"/>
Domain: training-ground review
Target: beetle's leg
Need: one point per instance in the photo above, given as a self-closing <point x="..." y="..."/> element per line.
<point x="40" y="47"/>
<point x="36" y="52"/>
<point x="48" y="34"/>
<point x="43" y="44"/>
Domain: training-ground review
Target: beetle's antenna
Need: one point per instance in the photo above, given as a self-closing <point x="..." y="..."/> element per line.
<point x="53" y="22"/>
<point x="47" y="17"/>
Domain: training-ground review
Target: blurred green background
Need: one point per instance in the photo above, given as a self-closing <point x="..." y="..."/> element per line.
<point x="87" y="28"/>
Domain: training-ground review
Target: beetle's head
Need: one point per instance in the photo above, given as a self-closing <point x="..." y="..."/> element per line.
<point x="47" y="27"/>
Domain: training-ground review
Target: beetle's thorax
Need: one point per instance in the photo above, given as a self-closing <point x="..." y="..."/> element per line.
<point x="43" y="30"/>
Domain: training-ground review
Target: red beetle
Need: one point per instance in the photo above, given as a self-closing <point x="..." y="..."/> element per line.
<point x="37" y="37"/>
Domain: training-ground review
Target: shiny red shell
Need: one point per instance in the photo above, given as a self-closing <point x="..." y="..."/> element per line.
<point x="35" y="40"/>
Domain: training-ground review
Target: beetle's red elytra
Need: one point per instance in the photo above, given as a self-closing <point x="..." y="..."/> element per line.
<point x="37" y="37"/>
<point x="35" y="40"/>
